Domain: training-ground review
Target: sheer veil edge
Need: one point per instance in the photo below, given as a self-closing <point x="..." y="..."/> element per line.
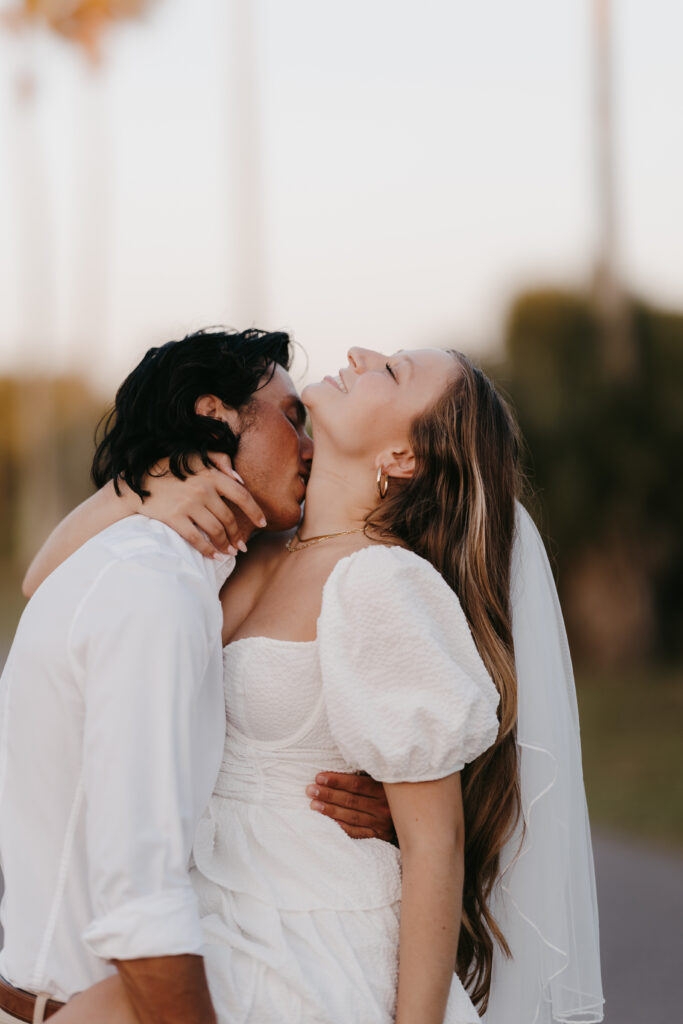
<point x="545" y="899"/>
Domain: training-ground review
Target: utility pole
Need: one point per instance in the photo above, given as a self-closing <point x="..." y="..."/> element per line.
<point x="246" y="213"/>
<point x="92" y="184"/>
<point x="618" y="348"/>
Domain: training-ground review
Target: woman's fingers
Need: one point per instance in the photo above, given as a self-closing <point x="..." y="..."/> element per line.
<point x="237" y="494"/>
<point x="189" y="532"/>
<point x="236" y="535"/>
<point x="205" y="507"/>
<point x="171" y="496"/>
<point x="215" y="530"/>
<point x="224" y="463"/>
<point x="209" y="501"/>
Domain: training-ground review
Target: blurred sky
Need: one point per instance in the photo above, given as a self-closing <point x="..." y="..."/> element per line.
<point x="419" y="163"/>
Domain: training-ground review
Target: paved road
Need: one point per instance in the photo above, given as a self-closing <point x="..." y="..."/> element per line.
<point x="640" y="897"/>
<point x="640" y="901"/>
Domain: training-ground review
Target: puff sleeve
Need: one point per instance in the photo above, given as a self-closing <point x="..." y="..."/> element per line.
<point x="407" y="696"/>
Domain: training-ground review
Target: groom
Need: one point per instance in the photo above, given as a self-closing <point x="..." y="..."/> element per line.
<point x="111" y="702"/>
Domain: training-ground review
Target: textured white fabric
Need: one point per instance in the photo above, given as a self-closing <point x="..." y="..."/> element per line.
<point x="111" y="733"/>
<point x="545" y="901"/>
<point x="427" y="704"/>
<point x="300" y="921"/>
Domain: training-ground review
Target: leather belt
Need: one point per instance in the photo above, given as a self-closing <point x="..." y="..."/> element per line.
<point x="22" y="1004"/>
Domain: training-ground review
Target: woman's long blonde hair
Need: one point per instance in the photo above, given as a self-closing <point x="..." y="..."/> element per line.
<point x="458" y="511"/>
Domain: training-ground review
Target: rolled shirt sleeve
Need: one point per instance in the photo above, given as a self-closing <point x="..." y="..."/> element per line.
<point x="146" y="642"/>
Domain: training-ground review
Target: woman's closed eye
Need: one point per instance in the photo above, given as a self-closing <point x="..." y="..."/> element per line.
<point x="391" y="372"/>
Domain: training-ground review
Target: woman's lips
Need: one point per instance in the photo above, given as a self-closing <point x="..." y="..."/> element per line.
<point x="337" y="382"/>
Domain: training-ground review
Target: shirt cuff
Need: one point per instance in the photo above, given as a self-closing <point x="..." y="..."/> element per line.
<point x="166" y="924"/>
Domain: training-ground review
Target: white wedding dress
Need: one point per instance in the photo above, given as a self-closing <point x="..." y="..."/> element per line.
<point x="301" y="921"/>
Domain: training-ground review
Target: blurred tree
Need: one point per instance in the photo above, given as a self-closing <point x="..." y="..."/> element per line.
<point x="83" y="21"/>
<point x="605" y="465"/>
<point x="66" y="440"/>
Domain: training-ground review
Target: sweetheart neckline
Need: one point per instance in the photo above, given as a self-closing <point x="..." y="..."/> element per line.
<point x="269" y="639"/>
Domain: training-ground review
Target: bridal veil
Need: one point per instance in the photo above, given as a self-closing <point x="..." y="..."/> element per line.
<point x="544" y="900"/>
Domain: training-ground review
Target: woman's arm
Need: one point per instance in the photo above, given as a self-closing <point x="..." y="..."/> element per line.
<point x="197" y="508"/>
<point x="430" y="826"/>
<point x="94" y="514"/>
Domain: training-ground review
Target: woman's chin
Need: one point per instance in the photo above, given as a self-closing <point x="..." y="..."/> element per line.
<point x="312" y="393"/>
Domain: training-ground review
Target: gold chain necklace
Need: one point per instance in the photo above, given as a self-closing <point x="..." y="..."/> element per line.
<point x="300" y="544"/>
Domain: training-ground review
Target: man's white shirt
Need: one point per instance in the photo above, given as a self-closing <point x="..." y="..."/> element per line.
<point x="112" y="727"/>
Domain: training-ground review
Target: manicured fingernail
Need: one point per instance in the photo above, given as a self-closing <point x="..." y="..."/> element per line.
<point x="262" y="521"/>
<point x="238" y="477"/>
<point x="312" y="790"/>
<point x="232" y="550"/>
<point x="322" y="779"/>
<point x="242" y="546"/>
<point x="317" y="806"/>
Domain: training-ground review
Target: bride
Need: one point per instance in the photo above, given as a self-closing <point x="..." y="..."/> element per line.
<point x="379" y="638"/>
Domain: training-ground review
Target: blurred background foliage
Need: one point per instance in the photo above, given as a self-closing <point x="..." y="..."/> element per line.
<point x="603" y="462"/>
<point x="47" y="426"/>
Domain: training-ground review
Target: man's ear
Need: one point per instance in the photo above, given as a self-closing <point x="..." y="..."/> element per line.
<point x="399" y="464"/>
<point x="211" y="406"/>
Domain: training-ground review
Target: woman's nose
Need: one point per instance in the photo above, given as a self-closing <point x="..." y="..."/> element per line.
<point x="362" y="359"/>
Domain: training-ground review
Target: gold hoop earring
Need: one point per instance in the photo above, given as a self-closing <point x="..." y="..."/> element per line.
<point x="382" y="482"/>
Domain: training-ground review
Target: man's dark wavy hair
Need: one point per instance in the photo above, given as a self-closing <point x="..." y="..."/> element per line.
<point x="154" y="411"/>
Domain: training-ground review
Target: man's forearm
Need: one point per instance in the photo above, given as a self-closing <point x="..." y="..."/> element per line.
<point x="168" y="989"/>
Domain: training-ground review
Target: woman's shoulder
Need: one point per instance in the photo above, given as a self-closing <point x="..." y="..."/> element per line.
<point x="377" y="564"/>
<point x="391" y="583"/>
<point x="407" y="694"/>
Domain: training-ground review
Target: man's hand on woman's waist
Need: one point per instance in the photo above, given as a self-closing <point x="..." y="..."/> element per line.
<point x="356" y="802"/>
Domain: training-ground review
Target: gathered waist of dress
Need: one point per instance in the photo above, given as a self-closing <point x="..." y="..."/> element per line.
<point x="259" y="836"/>
<point x="271" y="776"/>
